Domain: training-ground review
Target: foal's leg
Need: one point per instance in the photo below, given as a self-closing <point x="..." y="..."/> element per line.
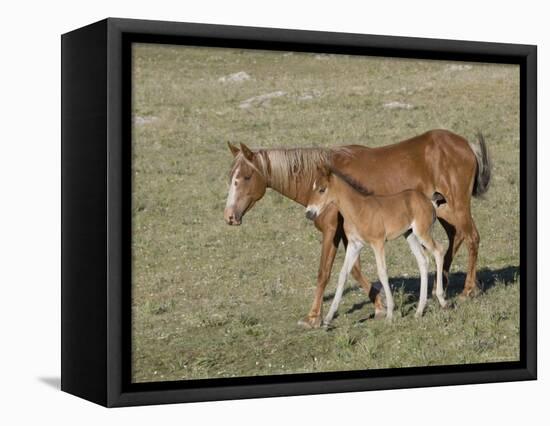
<point x="378" y="248"/>
<point x="422" y="261"/>
<point x="375" y="295"/>
<point x="436" y="250"/>
<point x="352" y="253"/>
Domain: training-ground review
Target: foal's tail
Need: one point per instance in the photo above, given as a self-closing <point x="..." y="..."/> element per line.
<point x="483" y="176"/>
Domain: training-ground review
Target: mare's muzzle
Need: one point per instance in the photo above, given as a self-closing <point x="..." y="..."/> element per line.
<point x="232" y="217"/>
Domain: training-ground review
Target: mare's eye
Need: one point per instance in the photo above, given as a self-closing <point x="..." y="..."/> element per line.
<point x="247" y="177"/>
<point x="322" y="190"/>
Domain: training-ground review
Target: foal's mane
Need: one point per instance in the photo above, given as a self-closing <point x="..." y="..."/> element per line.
<point x="282" y="167"/>
<point x="351" y="182"/>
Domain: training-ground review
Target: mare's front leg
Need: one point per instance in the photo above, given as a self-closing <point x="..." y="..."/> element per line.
<point x="327" y="223"/>
<point x="352" y="253"/>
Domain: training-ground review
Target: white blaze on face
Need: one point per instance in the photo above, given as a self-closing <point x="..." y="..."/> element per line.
<point x="232" y="190"/>
<point x="313" y="208"/>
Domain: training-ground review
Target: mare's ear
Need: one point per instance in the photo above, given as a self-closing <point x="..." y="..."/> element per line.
<point x="234" y="150"/>
<point x="248" y="154"/>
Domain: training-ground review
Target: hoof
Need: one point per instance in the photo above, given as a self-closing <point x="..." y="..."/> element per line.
<point x="448" y="305"/>
<point x="476" y="291"/>
<point x="379" y="314"/>
<point x="418" y="314"/>
<point x="327" y="321"/>
<point x="469" y="293"/>
<point x="310" y="322"/>
<point x="464" y="296"/>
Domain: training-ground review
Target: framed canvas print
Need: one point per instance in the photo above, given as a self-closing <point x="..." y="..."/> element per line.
<point x="253" y="212"/>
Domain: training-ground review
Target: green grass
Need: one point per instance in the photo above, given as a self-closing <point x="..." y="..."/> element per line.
<point x="211" y="300"/>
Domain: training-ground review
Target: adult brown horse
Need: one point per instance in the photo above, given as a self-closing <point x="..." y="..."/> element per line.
<point x="436" y="161"/>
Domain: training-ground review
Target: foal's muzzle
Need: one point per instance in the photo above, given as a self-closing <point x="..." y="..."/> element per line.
<point x="311" y="214"/>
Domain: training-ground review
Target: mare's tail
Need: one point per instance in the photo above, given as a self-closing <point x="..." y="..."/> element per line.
<point x="483" y="176"/>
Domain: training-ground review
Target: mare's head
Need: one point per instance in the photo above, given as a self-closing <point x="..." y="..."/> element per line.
<point x="320" y="195"/>
<point x="247" y="183"/>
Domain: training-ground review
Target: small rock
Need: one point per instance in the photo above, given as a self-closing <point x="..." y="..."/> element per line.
<point x="459" y="67"/>
<point x="139" y="121"/>
<point x="237" y="77"/>
<point x="261" y="100"/>
<point x="398" y="105"/>
<point x="307" y="96"/>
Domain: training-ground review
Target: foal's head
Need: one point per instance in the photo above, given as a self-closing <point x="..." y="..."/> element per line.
<point x="320" y="195"/>
<point x="247" y="184"/>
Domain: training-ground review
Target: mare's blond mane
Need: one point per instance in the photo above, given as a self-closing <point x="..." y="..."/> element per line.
<point x="282" y="167"/>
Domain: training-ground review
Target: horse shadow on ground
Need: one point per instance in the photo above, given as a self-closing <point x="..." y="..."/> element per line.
<point x="486" y="278"/>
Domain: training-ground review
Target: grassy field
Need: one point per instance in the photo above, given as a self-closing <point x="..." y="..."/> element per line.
<point x="210" y="300"/>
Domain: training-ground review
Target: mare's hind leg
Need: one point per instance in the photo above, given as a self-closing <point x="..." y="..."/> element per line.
<point x="471" y="238"/>
<point x="352" y="253"/>
<point x="455" y="240"/>
<point x="378" y="249"/>
<point x="464" y="230"/>
<point x="422" y="261"/>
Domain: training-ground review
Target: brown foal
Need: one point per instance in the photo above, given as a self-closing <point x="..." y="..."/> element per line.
<point x="436" y="161"/>
<point x="376" y="219"/>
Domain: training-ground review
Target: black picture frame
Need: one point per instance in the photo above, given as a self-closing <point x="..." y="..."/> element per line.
<point x="96" y="225"/>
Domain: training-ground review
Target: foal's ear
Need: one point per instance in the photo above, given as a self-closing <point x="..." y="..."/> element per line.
<point x="234" y="150"/>
<point x="248" y="154"/>
<point x="323" y="170"/>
